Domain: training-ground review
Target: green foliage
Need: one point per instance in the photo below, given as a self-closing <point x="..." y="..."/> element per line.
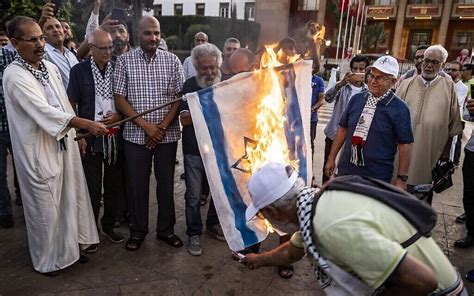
<point x="14" y="8"/>
<point x="374" y="34"/>
<point x="219" y="29"/>
<point x="173" y="42"/>
<point x="192" y="30"/>
<point x="65" y="12"/>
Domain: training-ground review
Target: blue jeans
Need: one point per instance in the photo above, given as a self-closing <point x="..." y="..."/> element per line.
<point x="5" y="198"/>
<point x="194" y="174"/>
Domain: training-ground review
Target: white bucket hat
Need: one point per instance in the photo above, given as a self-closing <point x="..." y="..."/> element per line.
<point x="268" y="184"/>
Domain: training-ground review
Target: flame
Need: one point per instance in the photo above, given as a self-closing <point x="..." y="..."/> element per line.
<point x="268" y="226"/>
<point x="320" y="34"/>
<point x="270" y="121"/>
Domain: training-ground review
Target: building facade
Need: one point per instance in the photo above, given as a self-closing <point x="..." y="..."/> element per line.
<point x="243" y="9"/>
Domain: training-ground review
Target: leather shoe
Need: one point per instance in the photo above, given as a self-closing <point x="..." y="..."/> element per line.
<point x="463" y="243"/>
<point x="172" y="240"/>
<point x="461" y="218"/>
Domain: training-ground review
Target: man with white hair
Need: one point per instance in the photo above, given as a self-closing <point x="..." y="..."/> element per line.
<point x="356" y="232"/>
<point x="374" y="125"/>
<point x="434" y="113"/>
<point x="463" y="57"/>
<point x="207" y="59"/>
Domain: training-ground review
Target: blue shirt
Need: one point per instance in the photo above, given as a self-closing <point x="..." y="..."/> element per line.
<point x="317" y="85"/>
<point x="64" y="61"/>
<point x="390" y="126"/>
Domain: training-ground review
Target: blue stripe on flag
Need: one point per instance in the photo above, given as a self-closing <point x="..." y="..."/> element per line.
<point x="216" y="131"/>
<point x="294" y="131"/>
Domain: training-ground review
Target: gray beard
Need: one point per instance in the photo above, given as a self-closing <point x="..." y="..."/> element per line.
<point x="204" y="81"/>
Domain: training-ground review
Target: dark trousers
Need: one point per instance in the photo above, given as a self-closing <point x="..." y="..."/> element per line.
<point x="327" y="150"/>
<point x="99" y="173"/>
<point x="5" y="198"/>
<point x="468" y="192"/>
<point x="194" y="178"/>
<point x="457" y="147"/>
<point x="312" y="132"/>
<point x="138" y="160"/>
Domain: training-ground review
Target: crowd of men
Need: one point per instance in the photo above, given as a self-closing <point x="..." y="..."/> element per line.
<point x="390" y="128"/>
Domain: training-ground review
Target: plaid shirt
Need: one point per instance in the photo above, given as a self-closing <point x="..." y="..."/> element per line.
<point x="6" y="57"/>
<point x="147" y="84"/>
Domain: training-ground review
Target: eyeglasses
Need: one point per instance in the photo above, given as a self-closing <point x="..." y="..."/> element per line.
<point x="378" y="78"/>
<point x="41" y="38"/>
<point x="433" y="62"/>
<point x="420" y="57"/>
<point x="450" y="70"/>
<point x="103" y="49"/>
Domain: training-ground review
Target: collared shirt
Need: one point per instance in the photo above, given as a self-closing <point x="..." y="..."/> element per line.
<point x="147" y="84"/>
<point x="6" y="57"/>
<point x="342" y="98"/>
<point x="390" y="126"/>
<point x="64" y="61"/>
<point x="10" y="47"/>
<point x="189" y="70"/>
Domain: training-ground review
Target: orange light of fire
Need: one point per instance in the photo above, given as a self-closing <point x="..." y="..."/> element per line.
<point x="268" y="226"/>
<point x="270" y="121"/>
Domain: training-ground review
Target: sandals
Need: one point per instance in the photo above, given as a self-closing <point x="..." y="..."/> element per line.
<point x="285" y="271"/>
<point x="133" y="244"/>
<point x="172" y="240"/>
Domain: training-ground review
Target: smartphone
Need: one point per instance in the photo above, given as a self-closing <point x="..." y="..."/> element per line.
<point x="118" y="14"/>
<point x="359" y="77"/>
<point x="57" y="5"/>
<point x="472" y="91"/>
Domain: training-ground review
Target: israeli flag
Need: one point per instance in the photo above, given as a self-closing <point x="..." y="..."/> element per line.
<point x="224" y="119"/>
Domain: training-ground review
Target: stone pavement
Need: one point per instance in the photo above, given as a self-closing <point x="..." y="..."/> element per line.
<point x="162" y="270"/>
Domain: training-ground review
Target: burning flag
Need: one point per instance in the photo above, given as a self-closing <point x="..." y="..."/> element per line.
<point x="245" y="122"/>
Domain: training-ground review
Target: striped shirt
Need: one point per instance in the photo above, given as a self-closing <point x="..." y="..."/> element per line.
<point x="147" y="84"/>
<point x="6" y="57"/>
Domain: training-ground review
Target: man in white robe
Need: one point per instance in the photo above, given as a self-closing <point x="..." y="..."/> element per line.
<point x="56" y="201"/>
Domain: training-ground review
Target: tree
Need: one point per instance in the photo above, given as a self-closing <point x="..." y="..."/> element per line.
<point x="172" y="42"/>
<point x="14" y="8"/>
<point x="374" y="35"/>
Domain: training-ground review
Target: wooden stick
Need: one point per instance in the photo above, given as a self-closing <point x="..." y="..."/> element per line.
<point x="181" y="98"/>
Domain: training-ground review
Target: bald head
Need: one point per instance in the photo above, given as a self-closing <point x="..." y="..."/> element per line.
<point x="99" y="36"/>
<point x="241" y="61"/>
<point x="149" y="34"/>
<point x="200" y="38"/>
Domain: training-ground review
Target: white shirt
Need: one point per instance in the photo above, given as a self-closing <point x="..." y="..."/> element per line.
<point x="188" y="67"/>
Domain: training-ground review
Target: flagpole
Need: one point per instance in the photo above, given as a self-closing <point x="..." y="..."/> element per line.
<point x="359" y="31"/>
<point x="364" y="23"/>
<point x="350" y="32"/>
<point x="345" y="32"/>
<point x="357" y="28"/>
<point x="340" y="28"/>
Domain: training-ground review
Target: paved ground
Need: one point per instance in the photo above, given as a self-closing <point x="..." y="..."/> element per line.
<point x="159" y="269"/>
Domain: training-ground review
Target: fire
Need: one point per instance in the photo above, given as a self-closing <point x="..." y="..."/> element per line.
<point x="270" y="121"/>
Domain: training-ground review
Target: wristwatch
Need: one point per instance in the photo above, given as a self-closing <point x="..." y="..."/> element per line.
<point x="404" y="178"/>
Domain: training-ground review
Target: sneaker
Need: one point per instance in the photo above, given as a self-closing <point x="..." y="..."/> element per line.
<point x="113" y="236"/>
<point x="194" y="245"/>
<point x="91" y="249"/>
<point x="6" y="221"/>
<point x="216" y="232"/>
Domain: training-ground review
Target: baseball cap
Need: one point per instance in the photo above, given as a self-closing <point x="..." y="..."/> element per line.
<point x="386" y="64"/>
<point x="268" y="184"/>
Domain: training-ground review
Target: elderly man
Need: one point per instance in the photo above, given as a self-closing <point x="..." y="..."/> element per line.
<point x="144" y="78"/>
<point x="90" y="94"/>
<point x="364" y="241"/>
<point x="189" y="70"/>
<point x="374" y="125"/>
<point x="434" y="113"/>
<point x="230" y="45"/>
<point x="207" y="59"/>
<point x="56" y="201"/>
<point x="341" y="93"/>
<point x="56" y="52"/>
<point x="464" y="57"/>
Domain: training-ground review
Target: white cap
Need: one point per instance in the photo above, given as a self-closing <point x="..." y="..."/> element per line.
<point x="387" y="64"/>
<point x="268" y="184"/>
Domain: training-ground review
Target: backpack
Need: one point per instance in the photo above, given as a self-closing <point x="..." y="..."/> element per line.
<point x="419" y="214"/>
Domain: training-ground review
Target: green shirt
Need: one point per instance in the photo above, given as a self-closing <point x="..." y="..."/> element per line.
<point x="363" y="236"/>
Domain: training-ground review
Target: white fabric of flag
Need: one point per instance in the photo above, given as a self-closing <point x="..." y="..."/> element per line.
<point x="224" y="119"/>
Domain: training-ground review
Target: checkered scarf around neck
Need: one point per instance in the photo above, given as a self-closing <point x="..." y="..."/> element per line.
<point x="103" y="90"/>
<point x="332" y="279"/>
<point x="362" y="129"/>
<point x="42" y="75"/>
